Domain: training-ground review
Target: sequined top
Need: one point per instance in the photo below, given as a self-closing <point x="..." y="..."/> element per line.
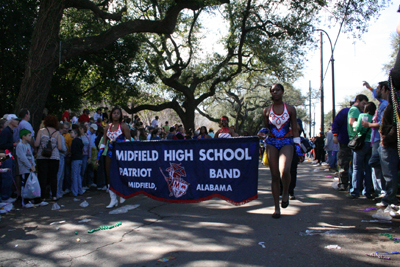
<point x="279" y="124"/>
<point x="224" y="133"/>
<point x="116" y="135"/>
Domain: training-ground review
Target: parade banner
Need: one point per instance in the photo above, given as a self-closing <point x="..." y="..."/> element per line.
<point x="187" y="171"/>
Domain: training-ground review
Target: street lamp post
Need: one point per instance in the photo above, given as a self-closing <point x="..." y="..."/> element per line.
<point x="322" y="88"/>
<point x="333" y="73"/>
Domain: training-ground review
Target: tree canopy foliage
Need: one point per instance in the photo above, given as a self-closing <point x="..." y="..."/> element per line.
<point x="395" y="43"/>
<point x="244" y="99"/>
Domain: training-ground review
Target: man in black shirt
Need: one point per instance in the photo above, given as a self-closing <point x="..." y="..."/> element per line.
<point x="7" y="143"/>
<point x="319" y="148"/>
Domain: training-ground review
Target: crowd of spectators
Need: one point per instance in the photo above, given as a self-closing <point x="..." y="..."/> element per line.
<point x="371" y="169"/>
<point x="70" y="168"/>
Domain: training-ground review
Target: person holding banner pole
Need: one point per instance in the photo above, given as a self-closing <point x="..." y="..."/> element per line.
<point x="115" y="131"/>
<point x="225" y="131"/>
<point x="203" y="133"/>
<point x="278" y="118"/>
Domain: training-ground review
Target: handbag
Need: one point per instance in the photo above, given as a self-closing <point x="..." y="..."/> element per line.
<point x="357" y="142"/>
<point x="32" y="187"/>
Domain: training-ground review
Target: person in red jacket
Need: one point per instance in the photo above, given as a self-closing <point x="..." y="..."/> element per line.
<point x="65" y="115"/>
<point x="85" y="116"/>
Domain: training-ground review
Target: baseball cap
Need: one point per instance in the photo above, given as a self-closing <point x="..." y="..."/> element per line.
<point x="94" y="126"/>
<point x="12" y="117"/>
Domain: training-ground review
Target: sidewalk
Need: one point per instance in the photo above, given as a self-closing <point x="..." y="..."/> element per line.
<point x="210" y="233"/>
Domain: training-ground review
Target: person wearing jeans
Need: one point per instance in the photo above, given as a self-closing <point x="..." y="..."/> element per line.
<point x="26" y="161"/>
<point x="67" y="161"/>
<point x="61" y="168"/>
<point x="389" y="161"/>
<point x="341" y="138"/>
<point x="362" y="172"/>
<point x="76" y="163"/>
<point x="361" y="168"/>
<point x="76" y="187"/>
<point x="389" y="156"/>
<point x="333" y="158"/>
<point x="381" y="93"/>
<point x="377" y="176"/>
<point x="7" y="144"/>
<point x="328" y="147"/>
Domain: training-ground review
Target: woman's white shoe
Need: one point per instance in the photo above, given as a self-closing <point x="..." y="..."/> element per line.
<point x="121" y="200"/>
<point x="114" y="201"/>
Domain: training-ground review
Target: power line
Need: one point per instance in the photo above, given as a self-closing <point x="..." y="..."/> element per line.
<point x="337" y="37"/>
<point x="341" y="24"/>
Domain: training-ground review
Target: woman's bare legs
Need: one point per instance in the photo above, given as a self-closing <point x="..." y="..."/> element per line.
<point x="285" y="161"/>
<point x="273" y="160"/>
<point x="279" y="164"/>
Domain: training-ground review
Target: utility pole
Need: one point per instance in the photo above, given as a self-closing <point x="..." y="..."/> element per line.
<point x="322" y="89"/>
<point x="332" y="60"/>
<point x="310" y="118"/>
<point x="315" y="120"/>
<point x="333" y="87"/>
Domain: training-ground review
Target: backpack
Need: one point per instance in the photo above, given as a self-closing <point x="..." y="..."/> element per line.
<point x="47" y="151"/>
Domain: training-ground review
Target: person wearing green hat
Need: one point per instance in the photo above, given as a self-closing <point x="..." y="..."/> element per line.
<point x="26" y="162"/>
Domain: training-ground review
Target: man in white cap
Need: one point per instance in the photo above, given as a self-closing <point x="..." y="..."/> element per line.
<point x="7" y="145"/>
<point x="25" y="116"/>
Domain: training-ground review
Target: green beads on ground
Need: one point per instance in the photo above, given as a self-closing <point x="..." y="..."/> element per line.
<point x="391" y="237"/>
<point x="105" y="227"/>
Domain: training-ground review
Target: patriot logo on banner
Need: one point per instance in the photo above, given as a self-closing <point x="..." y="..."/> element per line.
<point x="176" y="185"/>
<point x="187" y="171"/>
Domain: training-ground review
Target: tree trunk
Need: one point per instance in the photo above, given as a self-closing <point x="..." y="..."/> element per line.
<point x="42" y="61"/>
<point x="188" y="119"/>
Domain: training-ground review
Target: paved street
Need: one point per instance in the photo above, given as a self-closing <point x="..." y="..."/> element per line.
<point x="210" y="233"/>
